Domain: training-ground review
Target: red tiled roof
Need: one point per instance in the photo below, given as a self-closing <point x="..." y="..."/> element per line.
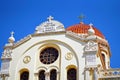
<point x="83" y="28"/>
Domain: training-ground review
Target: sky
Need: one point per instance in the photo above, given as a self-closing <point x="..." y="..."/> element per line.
<point x="22" y="17"/>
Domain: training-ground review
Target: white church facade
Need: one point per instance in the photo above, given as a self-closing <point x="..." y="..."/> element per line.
<point x="52" y="52"/>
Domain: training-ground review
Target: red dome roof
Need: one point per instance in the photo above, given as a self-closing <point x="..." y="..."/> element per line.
<point x="83" y="29"/>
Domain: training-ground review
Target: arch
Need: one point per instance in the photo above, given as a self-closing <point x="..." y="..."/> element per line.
<point x="47" y="45"/>
<point x="24" y="69"/>
<point x="41" y="75"/>
<point x="71" y="66"/>
<point x="24" y="74"/>
<point x="53" y="67"/>
<point x="52" y="41"/>
<point x="41" y="68"/>
<point x="53" y="74"/>
<point x="71" y="72"/>
<point x="103" y="59"/>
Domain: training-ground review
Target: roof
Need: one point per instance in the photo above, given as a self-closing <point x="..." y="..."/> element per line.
<point x="82" y="28"/>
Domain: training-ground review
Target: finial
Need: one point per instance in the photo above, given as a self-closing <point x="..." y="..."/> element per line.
<point x="50" y="18"/>
<point x="91" y="30"/>
<point x="81" y="17"/>
<point x="11" y="38"/>
<point x="12" y="34"/>
<point x="90" y="24"/>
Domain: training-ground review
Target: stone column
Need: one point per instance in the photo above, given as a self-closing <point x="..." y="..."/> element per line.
<point x="58" y="75"/>
<point x="91" y="73"/>
<point x="47" y="76"/>
<point x="36" y="76"/>
<point x="3" y="76"/>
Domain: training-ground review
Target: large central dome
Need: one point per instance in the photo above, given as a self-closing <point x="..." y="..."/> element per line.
<point x="83" y="29"/>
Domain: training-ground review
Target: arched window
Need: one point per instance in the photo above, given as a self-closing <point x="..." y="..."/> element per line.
<point x="53" y="75"/>
<point x="103" y="57"/>
<point x="71" y="74"/>
<point x="42" y="75"/>
<point x="24" y="75"/>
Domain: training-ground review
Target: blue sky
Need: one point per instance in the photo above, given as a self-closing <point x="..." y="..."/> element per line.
<point x="22" y="17"/>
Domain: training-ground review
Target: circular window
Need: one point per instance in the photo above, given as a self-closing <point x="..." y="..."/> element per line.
<point x="49" y="55"/>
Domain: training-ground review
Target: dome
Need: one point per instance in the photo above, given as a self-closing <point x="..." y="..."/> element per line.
<point x="84" y="29"/>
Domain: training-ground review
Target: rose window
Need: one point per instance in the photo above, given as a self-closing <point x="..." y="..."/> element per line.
<point x="49" y="55"/>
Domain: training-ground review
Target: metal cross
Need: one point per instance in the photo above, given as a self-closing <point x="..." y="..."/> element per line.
<point x="81" y="17"/>
<point x="12" y="33"/>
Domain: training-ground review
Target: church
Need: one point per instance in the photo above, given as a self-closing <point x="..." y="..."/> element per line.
<point x="79" y="52"/>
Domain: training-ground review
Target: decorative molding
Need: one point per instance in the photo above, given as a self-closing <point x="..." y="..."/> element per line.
<point x="87" y="68"/>
<point x="69" y="56"/>
<point x="25" y="39"/>
<point x="48" y="33"/>
<point x="50" y="26"/>
<point x="3" y="76"/>
<point x="7" y="54"/>
<point x="91" y="46"/>
<point x="87" y="37"/>
<point x="78" y="36"/>
<point x="109" y="73"/>
<point x="5" y="67"/>
<point x="27" y="59"/>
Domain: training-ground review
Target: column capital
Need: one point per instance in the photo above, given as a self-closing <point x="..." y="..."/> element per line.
<point x="90" y="68"/>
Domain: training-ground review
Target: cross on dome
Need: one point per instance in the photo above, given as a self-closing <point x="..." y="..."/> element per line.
<point x="90" y="25"/>
<point x="81" y="17"/>
<point x="50" y="18"/>
<point x="12" y="34"/>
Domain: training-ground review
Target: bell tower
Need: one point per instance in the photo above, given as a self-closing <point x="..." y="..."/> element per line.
<point x="7" y="57"/>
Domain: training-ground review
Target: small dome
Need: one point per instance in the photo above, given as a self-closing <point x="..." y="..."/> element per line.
<point x="84" y="29"/>
<point x="50" y="26"/>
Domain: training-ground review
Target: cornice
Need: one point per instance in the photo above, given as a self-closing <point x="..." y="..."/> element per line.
<point x="77" y="36"/>
<point x="48" y="33"/>
<point x="83" y="37"/>
<point x="25" y="39"/>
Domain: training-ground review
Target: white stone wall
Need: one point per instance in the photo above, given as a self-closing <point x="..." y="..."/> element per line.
<point x="32" y="48"/>
<point x="71" y="52"/>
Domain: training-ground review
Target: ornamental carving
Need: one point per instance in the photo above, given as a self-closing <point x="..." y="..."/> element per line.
<point x="49" y="55"/>
<point x="26" y="59"/>
<point x="5" y="66"/>
<point x="91" y="46"/>
<point x="78" y="36"/>
<point x="7" y="53"/>
<point x="50" y="26"/>
<point x="69" y="56"/>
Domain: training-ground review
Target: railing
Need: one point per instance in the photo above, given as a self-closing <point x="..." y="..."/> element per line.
<point x="109" y="73"/>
